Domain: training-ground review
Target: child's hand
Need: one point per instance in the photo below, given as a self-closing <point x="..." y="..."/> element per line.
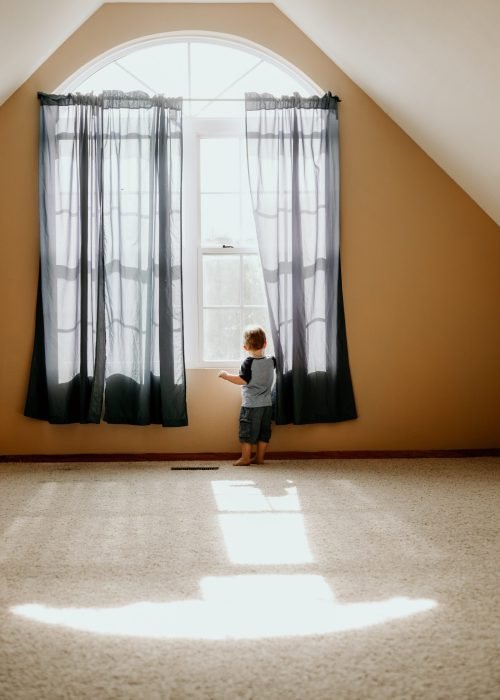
<point x="222" y="374"/>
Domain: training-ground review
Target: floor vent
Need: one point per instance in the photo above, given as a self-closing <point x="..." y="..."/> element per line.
<point x="191" y="469"/>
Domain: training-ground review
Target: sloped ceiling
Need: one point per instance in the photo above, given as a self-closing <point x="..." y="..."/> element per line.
<point x="432" y="66"/>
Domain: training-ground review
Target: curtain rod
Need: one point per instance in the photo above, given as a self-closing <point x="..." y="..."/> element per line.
<point x="263" y="98"/>
<point x="226" y="99"/>
<point x="241" y="99"/>
<point x="212" y="99"/>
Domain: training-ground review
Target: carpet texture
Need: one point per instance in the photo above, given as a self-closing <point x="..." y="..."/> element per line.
<point x="329" y="579"/>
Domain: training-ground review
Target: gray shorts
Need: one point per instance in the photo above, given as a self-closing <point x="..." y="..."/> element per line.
<point x="255" y="424"/>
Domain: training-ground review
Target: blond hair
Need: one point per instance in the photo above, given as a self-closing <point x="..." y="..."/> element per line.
<point x="254" y="337"/>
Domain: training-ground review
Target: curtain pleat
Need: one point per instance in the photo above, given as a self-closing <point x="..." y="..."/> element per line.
<point x="293" y="165"/>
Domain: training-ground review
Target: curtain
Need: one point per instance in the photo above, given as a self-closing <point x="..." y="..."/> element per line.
<point x="108" y="335"/>
<point x="293" y="166"/>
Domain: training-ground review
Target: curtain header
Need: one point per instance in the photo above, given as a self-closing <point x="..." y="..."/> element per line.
<point x="255" y="101"/>
<point x="112" y="99"/>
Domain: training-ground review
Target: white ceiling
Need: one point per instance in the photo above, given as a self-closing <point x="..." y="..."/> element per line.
<point x="432" y="65"/>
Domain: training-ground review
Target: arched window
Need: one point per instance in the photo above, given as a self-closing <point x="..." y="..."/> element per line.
<point x="223" y="286"/>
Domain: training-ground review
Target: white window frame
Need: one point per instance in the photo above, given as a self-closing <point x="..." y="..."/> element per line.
<point x="195" y="129"/>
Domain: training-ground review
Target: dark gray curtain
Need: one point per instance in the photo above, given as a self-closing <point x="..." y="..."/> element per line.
<point x="109" y="309"/>
<point x="293" y="163"/>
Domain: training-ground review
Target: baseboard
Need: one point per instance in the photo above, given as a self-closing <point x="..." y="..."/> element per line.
<point x="222" y="456"/>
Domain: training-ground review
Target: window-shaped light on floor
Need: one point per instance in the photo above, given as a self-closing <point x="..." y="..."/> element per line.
<point x="259" y="527"/>
<point x="234" y="607"/>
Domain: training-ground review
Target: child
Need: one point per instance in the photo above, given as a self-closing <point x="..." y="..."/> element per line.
<point x="256" y="380"/>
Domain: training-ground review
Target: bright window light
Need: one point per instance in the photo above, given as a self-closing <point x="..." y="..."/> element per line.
<point x="225" y="290"/>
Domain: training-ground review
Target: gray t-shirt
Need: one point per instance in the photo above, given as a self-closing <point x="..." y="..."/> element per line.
<point x="258" y="372"/>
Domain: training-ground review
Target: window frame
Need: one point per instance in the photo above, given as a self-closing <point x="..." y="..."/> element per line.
<point x="195" y="129"/>
<point x="191" y="209"/>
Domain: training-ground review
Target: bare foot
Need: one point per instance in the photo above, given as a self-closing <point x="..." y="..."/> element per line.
<point x="241" y="463"/>
<point x="256" y="461"/>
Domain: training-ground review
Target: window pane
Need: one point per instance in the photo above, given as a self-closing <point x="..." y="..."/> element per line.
<point x="220" y="219"/>
<point x="266" y="77"/>
<point x="221" y="335"/>
<point x="163" y="67"/>
<point x="219" y="108"/>
<point x="214" y="67"/>
<point x="220" y="165"/>
<point x="248" y="232"/>
<point x="221" y="280"/>
<point x="111" y="77"/>
<point x="253" y="281"/>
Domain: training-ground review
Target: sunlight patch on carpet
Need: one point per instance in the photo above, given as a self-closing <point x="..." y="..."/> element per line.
<point x="234" y="607"/>
<point x="245" y="496"/>
<point x="259" y="526"/>
<point x="265" y="538"/>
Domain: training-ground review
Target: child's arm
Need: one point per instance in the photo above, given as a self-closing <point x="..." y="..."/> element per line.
<point x="233" y="378"/>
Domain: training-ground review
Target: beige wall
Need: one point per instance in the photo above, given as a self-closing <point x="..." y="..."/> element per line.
<point x="420" y="264"/>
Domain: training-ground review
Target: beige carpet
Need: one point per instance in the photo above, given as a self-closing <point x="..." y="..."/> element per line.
<point x="331" y="580"/>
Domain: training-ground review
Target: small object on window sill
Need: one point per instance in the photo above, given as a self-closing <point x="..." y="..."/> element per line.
<point x="227" y="246"/>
